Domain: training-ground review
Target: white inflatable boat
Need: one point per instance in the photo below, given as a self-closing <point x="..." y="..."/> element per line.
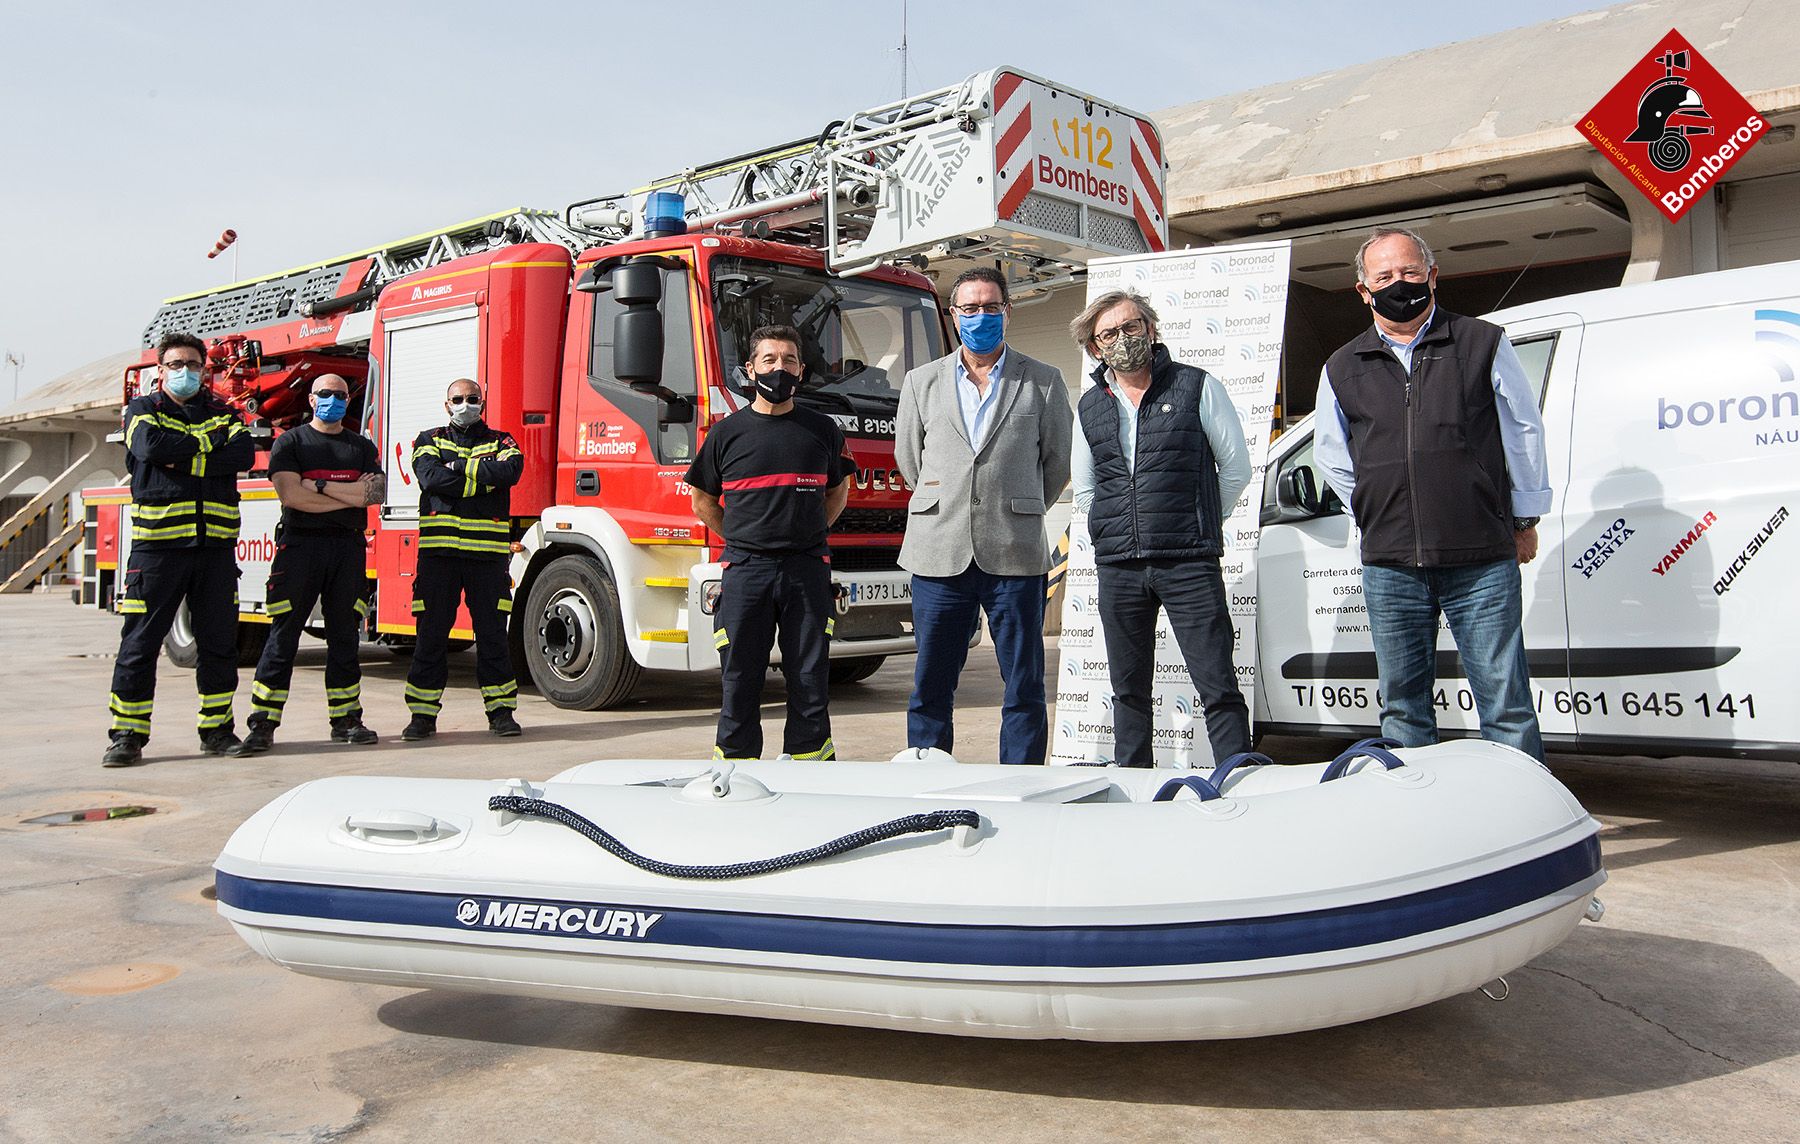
<point x="991" y="901"/>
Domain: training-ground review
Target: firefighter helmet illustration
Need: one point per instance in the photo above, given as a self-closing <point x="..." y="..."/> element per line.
<point x="1658" y="107"/>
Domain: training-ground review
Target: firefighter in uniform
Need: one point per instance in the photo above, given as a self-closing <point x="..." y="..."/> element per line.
<point x="466" y="471"/>
<point x="326" y="478"/>
<point x="185" y="449"/>
<point x="770" y="479"/>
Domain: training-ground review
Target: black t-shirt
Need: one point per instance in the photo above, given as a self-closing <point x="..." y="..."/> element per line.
<point x="772" y="472"/>
<point x="320" y="456"/>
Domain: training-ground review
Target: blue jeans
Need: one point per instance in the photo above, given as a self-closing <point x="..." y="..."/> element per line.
<point x="945" y="612"/>
<point x="1481" y="603"/>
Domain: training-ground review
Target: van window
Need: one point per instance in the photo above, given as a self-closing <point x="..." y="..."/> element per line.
<point x="1535" y="355"/>
<point x="674" y="443"/>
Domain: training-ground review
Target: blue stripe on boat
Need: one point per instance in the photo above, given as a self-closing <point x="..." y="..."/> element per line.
<point x="1178" y="943"/>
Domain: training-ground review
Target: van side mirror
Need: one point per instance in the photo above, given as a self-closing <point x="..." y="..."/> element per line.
<point x="1296" y="489"/>
<point x="637" y="285"/>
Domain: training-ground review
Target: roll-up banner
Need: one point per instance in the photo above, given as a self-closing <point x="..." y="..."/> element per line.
<point x="1221" y="309"/>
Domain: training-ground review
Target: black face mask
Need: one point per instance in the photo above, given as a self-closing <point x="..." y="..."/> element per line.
<point x="776" y="386"/>
<point x="1401" y="301"/>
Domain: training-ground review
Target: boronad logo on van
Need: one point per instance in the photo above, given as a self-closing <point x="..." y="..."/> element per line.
<point x="1673" y="125"/>
<point x="1753" y="391"/>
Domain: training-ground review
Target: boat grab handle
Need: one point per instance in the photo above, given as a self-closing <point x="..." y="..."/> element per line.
<point x="1203" y="789"/>
<point x="910" y="824"/>
<point x="395" y="827"/>
<point x="1233" y="762"/>
<point x="1376" y="749"/>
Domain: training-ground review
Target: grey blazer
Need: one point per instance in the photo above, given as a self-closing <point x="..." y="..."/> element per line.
<point x="988" y="506"/>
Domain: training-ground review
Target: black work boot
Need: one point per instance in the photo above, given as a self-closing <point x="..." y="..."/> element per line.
<point x="127" y="750"/>
<point x="503" y="724"/>
<point x="350" y="729"/>
<point x="421" y="727"/>
<point x="260" y="738"/>
<point x="220" y="741"/>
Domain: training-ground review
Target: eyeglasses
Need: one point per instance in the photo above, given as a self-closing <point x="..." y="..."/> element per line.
<point x="343" y="393"/>
<point x="981" y="308"/>
<point x="465" y="399"/>
<point x="184" y="363"/>
<point x="1135" y="328"/>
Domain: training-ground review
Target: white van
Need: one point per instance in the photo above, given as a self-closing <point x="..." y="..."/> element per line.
<point x="1663" y="610"/>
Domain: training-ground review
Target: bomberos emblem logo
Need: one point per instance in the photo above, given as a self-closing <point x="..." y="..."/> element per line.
<point x="1673" y="125"/>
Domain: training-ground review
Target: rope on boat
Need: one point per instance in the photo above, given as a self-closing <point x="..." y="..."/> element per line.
<point x="910" y="824"/>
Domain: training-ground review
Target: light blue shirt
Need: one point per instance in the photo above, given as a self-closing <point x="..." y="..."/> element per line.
<point x="1224" y="432"/>
<point x="976" y="405"/>
<point x="1515" y="400"/>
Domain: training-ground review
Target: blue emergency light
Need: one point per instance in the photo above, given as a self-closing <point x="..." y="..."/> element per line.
<point x="665" y="213"/>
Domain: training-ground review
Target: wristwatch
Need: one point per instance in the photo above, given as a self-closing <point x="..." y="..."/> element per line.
<point x="319" y="484"/>
<point x="1521" y="523"/>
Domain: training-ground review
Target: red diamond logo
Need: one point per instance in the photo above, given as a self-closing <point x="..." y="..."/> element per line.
<point x="1673" y="125"/>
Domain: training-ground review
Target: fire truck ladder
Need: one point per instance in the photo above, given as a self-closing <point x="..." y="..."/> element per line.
<point x="826" y="192"/>
<point x="320" y="288"/>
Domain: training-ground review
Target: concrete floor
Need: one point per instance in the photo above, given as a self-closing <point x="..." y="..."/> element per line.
<point x="130" y="1011"/>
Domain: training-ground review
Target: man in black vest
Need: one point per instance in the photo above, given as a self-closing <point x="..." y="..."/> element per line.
<point x="1429" y="430"/>
<point x="184" y="449"/>
<point x="1158" y="465"/>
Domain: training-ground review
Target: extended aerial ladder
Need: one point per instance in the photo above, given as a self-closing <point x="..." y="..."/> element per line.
<point x="1006" y="165"/>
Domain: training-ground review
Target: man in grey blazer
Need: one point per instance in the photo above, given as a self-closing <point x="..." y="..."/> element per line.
<point x="983" y="439"/>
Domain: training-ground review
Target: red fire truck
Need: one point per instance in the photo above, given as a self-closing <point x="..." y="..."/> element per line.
<point x="610" y="338"/>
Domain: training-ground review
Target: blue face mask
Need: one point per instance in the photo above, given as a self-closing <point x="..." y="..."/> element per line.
<point x="182" y="383"/>
<point x="331" y="408"/>
<point x="982" y="333"/>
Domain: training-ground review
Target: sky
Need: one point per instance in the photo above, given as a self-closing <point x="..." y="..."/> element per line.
<point x="132" y="134"/>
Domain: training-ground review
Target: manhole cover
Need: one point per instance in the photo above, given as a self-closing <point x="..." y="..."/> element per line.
<point x="95" y="814"/>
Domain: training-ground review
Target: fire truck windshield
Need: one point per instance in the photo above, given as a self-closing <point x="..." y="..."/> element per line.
<point x="858" y="337"/>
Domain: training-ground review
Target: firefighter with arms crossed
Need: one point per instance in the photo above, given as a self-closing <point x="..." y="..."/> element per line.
<point x="184" y="451"/>
<point x="770" y="479"/>
<point x="326" y="479"/>
<point x="466" y="472"/>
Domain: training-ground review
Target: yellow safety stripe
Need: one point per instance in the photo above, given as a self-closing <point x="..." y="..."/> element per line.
<point x="362" y="608"/>
<point x="350" y="692"/>
<point x="427" y="693"/>
<point x="825" y="752"/>
<point x="121" y="723"/>
<point x="720" y="639"/>
<point x="504" y="703"/>
<point x="261" y="690"/>
<point x="418" y="607"/>
<point x="168" y="532"/>
<point x="719" y="756"/>
<point x="216" y="698"/>
<point x="483" y="546"/>
<point x="279" y="607"/>
<point x="207" y="722"/>
<point x="830" y="626"/>
<point x="132" y="607"/>
<point x="443" y="520"/>
<point x="504" y="604"/>
<point x="162" y="511"/>
<point x="125" y="707"/>
<point x="510" y="687"/>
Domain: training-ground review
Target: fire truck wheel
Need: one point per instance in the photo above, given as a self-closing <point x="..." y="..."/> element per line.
<point x="855" y="669"/>
<point x="575" y="639"/>
<point x="250" y="641"/>
<point x="179" y="644"/>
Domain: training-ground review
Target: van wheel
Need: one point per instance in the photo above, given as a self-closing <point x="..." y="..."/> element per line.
<point x="855" y="669"/>
<point x="179" y="645"/>
<point x="575" y="639"/>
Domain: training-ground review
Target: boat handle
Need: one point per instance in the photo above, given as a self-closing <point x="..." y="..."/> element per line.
<point x="1202" y="789"/>
<point x="1232" y="763"/>
<point x="393" y="827"/>
<point x="1376" y="749"/>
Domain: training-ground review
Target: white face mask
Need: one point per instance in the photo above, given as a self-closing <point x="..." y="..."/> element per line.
<point x="464" y="415"/>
